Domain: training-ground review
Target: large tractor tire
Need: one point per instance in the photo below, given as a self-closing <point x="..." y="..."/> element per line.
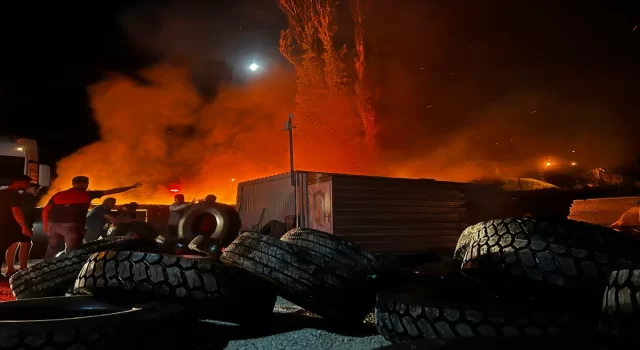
<point x="54" y="278"/>
<point x="208" y="289"/>
<point x="456" y="307"/>
<point x="621" y="307"/>
<point x="299" y="278"/>
<point x="557" y="252"/>
<point x="332" y="247"/>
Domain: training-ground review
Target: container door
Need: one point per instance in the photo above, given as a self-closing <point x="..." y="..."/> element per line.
<point x="320" y="211"/>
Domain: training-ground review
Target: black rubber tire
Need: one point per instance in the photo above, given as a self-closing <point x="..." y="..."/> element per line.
<point x="274" y="228"/>
<point x="137" y="229"/>
<point x="465" y="239"/>
<point x="458" y="307"/>
<point x="227" y="218"/>
<point x="79" y="323"/>
<point x="621" y="307"/>
<point x="558" y="252"/>
<point x="209" y="289"/>
<point x="48" y="279"/>
<point x="300" y="279"/>
<point x="501" y="343"/>
<point x="334" y="248"/>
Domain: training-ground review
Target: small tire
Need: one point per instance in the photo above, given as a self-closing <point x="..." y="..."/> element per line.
<point x="53" y="278"/>
<point x="300" y="279"/>
<point x="620" y="308"/>
<point x="455" y="307"/>
<point x="227" y="222"/>
<point x="207" y="288"/>
<point x="559" y="252"/>
<point x="79" y="323"/>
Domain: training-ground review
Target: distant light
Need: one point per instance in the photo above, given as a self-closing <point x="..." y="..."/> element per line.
<point x="254" y="67"/>
<point x="20" y="149"/>
<point x="174" y="190"/>
<point x="574" y="163"/>
<point x="573" y="151"/>
<point x="547" y="164"/>
<point x="232" y="179"/>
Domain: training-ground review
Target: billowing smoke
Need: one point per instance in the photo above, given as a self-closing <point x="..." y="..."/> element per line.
<point x="448" y="104"/>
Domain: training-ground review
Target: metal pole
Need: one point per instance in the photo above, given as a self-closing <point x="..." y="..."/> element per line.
<point x="289" y="127"/>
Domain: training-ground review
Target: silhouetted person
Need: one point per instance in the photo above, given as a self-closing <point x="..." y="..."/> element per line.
<point x="176" y="209"/>
<point x="12" y="220"/>
<point x="29" y="201"/>
<point x="64" y="216"/>
<point x="97" y="218"/>
<point x="129" y="211"/>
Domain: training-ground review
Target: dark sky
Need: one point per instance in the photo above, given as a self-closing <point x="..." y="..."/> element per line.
<point x="575" y="62"/>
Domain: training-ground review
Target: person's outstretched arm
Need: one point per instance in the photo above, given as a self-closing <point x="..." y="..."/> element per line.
<point x="121" y="189"/>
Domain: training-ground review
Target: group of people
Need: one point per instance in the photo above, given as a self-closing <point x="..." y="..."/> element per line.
<point x="66" y="219"/>
<point x="101" y="216"/>
<point x="16" y="219"/>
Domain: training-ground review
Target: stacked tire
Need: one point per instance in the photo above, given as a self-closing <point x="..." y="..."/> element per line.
<point x="522" y="277"/>
<point x="118" y="291"/>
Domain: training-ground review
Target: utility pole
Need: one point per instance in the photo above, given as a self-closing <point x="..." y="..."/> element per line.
<point x="288" y="126"/>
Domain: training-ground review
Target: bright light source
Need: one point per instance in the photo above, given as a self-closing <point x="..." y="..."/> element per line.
<point x="574" y="163"/>
<point x="547" y="164"/>
<point x="174" y="190"/>
<point x="20" y="149"/>
<point x="233" y="179"/>
<point x="254" y="67"/>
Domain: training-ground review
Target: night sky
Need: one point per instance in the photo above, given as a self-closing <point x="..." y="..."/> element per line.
<point x="577" y="54"/>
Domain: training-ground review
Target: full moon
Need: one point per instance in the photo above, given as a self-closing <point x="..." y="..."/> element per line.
<point x="254" y="67"/>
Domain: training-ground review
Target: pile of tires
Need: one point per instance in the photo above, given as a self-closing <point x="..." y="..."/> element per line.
<point x="551" y="283"/>
<point x="531" y="282"/>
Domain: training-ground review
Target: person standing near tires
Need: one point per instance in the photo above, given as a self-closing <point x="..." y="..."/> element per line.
<point x="64" y="217"/>
<point x="176" y="209"/>
<point x="29" y="201"/>
<point x="12" y="219"/>
<point x="98" y="217"/>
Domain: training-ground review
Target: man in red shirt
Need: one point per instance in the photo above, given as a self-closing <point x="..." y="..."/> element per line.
<point x="64" y="216"/>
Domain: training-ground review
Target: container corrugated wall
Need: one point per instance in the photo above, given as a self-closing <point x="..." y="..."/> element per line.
<point x="274" y="195"/>
<point x="601" y="211"/>
<point x="398" y="215"/>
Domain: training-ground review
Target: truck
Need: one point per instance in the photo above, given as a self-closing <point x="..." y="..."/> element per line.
<point x="19" y="156"/>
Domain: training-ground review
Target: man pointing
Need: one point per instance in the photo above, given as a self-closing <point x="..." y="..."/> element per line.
<point x="64" y="216"/>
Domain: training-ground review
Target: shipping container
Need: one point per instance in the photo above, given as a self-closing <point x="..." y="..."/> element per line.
<point x="381" y="214"/>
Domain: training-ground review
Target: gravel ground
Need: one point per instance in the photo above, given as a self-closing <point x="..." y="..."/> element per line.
<point x="294" y="328"/>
